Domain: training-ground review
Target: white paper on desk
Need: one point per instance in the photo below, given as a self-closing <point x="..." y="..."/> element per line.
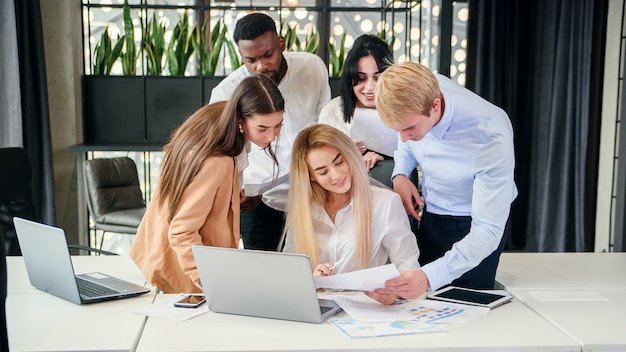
<point x="365" y="309"/>
<point x="165" y="309"/>
<point x="359" y="329"/>
<point x="367" y="126"/>
<point x="360" y="280"/>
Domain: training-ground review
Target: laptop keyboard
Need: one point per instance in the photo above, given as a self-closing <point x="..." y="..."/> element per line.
<point x="324" y="309"/>
<point x="91" y="289"/>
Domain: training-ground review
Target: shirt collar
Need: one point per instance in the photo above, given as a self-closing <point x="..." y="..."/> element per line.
<point x="440" y="129"/>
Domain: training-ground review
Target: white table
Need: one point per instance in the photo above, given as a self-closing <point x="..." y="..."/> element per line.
<point x="38" y="321"/>
<point x="594" y="317"/>
<point x="119" y="266"/>
<point x="562" y="270"/>
<point x="509" y="327"/>
<point x="42" y="322"/>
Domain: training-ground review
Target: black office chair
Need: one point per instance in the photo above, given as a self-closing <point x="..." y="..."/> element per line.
<point x="114" y="199"/>
<point x="15" y="199"/>
<point x="15" y="195"/>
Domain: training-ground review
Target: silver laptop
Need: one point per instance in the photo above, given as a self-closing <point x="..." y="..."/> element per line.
<point x="262" y="284"/>
<point x="49" y="266"/>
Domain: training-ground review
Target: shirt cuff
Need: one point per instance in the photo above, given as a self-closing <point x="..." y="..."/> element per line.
<point x="437" y="274"/>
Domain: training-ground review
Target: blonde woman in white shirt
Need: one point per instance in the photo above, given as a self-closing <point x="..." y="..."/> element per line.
<point x="337" y="216"/>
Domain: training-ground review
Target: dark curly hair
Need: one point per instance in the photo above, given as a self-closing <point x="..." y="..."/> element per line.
<point x="252" y="26"/>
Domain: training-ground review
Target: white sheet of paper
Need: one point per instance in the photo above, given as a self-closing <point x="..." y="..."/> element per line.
<point x="360" y="280"/>
<point x="367" y="126"/>
<point x="165" y="309"/>
<point x="363" y="308"/>
<point x="359" y="329"/>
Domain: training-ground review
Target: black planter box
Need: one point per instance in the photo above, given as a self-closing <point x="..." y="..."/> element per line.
<point x="138" y="109"/>
<point x="169" y="101"/>
<point x="144" y="109"/>
<point x="114" y="109"/>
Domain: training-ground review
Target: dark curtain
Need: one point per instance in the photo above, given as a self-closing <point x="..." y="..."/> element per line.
<point x="35" y="124"/>
<point x="35" y="117"/>
<point x="542" y="62"/>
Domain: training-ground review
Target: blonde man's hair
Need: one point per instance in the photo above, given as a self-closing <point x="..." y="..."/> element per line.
<point x="405" y="88"/>
<point x="303" y="192"/>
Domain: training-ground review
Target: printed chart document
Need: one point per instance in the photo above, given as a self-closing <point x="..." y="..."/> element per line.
<point x="359" y="329"/>
<point x="359" y="280"/>
<point x="438" y="312"/>
<point x="370" y="318"/>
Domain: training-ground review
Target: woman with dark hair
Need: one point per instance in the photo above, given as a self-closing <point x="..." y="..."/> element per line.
<point x="196" y="201"/>
<point x="354" y="110"/>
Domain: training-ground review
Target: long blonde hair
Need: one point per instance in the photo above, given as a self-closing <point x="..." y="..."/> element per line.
<point x="212" y="130"/>
<point x="303" y="191"/>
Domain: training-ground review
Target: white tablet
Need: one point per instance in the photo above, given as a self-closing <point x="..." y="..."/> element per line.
<point x="468" y="296"/>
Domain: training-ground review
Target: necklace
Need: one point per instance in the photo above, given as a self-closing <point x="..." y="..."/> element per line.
<point x="333" y="213"/>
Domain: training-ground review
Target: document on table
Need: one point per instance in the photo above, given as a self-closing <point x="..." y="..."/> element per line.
<point x="437" y="312"/>
<point x="367" y="126"/>
<point x="370" y="318"/>
<point x="359" y="329"/>
<point x="363" y="308"/>
<point x="360" y="280"/>
<point x="165" y="309"/>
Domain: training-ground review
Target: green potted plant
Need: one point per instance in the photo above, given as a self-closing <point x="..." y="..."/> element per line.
<point x="209" y="53"/>
<point x="143" y="109"/>
<point x="170" y="99"/>
<point x="112" y="103"/>
<point x="153" y="45"/>
<point x="293" y="43"/>
<point x="337" y="56"/>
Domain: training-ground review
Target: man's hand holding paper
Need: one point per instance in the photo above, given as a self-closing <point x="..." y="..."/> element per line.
<point x="360" y="280"/>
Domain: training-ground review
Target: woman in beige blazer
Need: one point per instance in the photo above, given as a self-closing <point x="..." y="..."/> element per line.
<point x="196" y="201"/>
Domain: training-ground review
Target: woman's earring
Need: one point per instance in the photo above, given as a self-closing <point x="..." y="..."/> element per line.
<point x="240" y="128"/>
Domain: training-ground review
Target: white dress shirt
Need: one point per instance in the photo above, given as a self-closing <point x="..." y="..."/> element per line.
<point x="378" y="134"/>
<point x="467" y="162"/>
<point x="392" y="239"/>
<point x="306" y="90"/>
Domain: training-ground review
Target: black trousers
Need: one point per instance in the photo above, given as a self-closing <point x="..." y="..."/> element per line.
<point x="435" y="236"/>
<point x="262" y="228"/>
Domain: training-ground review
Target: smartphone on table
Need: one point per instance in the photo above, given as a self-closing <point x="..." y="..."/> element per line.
<point x="190" y="301"/>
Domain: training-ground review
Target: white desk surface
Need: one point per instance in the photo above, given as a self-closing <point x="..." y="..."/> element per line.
<point x="509" y="327"/>
<point x="120" y="266"/>
<point x="38" y="321"/>
<point x="42" y="322"/>
<point x="562" y="270"/>
<point x="594" y="317"/>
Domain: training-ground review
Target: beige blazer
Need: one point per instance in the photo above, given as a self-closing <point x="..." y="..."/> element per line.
<point x="208" y="215"/>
